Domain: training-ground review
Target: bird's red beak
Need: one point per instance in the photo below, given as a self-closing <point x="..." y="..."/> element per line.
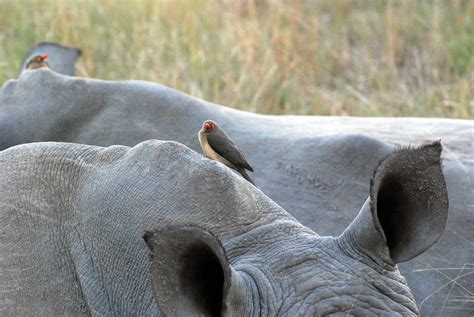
<point x="207" y="126"/>
<point x="43" y="57"/>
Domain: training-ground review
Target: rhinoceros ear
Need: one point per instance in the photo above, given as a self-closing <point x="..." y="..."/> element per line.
<point x="62" y="59"/>
<point x="407" y="209"/>
<point x="191" y="273"/>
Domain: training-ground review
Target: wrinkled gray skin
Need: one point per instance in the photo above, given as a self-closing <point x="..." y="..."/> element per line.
<point x="316" y="168"/>
<point x="79" y="223"/>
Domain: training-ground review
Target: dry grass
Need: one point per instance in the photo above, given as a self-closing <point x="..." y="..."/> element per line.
<point x="364" y="58"/>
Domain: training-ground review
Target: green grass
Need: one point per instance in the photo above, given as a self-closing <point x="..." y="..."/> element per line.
<point x="361" y="58"/>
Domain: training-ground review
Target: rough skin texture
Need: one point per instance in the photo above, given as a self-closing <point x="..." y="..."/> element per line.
<point x="322" y="181"/>
<point x="74" y="216"/>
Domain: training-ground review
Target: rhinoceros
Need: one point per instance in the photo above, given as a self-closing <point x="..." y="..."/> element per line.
<point x="159" y="229"/>
<point x="317" y="168"/>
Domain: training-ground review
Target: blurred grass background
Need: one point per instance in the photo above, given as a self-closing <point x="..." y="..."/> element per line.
<point x="361" y="58"/>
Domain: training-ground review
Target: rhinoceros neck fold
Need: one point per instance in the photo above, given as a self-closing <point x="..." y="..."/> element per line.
<point x="363" y="239"/>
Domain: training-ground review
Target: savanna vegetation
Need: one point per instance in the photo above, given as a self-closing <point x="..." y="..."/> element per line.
<point x="361" y="58"/>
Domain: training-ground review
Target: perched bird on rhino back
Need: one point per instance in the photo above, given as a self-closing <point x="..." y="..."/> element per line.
<point x="217" y="145"/>
<point x="37" y="61"/>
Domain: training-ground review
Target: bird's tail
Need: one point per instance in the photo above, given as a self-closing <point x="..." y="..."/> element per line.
<point x="246" y="176"/>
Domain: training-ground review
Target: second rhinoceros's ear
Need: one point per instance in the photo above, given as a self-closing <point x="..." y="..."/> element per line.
<point x="191" y="273"/>
<point x="407" y="209"/>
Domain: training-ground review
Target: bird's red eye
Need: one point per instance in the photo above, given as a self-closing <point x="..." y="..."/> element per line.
<point x="41" y="58"/>
<point x="208" y="126"/>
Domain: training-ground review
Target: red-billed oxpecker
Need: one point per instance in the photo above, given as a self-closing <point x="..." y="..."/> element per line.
<point x="37" y="61"/>
<point x="217" y="145"/>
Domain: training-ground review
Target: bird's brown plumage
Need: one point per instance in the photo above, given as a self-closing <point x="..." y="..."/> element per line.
<point x="226" y="148"/>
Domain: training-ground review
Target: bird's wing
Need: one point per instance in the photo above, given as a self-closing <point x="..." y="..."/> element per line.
<point x="224" y="146"/>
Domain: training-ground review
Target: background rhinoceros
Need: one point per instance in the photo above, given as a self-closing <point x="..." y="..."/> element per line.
<point x="316" y="168"/>
<point x="73" y="217"/>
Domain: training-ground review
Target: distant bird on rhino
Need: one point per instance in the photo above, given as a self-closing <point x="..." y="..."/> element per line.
<point x="217" y="145"/>
<point x="37" y="61"/>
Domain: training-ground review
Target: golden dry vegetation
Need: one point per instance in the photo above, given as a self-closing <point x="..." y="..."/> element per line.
<point x="361" y="58"/>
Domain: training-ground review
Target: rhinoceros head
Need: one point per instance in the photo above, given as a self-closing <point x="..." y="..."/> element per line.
<point x="283" y="269"/>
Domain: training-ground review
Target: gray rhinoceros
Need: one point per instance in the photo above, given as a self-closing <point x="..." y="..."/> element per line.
<point x="316" y="168"/>
<point x="77" y="219"/>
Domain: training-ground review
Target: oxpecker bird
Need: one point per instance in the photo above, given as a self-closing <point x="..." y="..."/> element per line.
<point x="217" y="145"/>
<point x="37" y="61"/>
